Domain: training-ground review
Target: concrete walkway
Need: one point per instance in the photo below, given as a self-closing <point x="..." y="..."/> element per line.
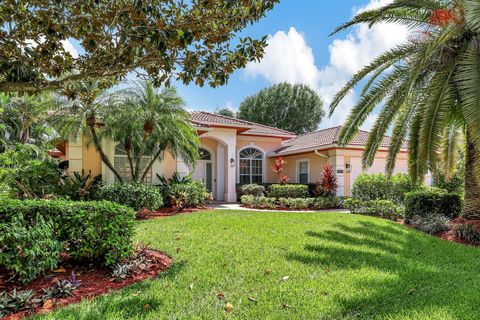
<point x="237" y="206"/>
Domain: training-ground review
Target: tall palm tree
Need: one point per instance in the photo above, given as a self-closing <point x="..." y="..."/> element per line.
<point x="428" y="88"/>
<point x="149" y="122"/>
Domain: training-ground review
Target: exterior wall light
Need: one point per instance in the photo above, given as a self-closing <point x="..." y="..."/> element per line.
<point x="232" y="162"/>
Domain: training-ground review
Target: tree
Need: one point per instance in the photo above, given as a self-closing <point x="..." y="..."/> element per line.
<point x="278" y="167"/>
<point x="147" y="122"/>
<point x="23" y="120"/>
<point x="295" y="108"/>
<point x="226" y="112"/>
<point x="427" y="89"/>
<point x="186" y="40"/>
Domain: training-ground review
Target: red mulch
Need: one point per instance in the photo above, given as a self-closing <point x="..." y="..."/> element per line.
<point x="450" y="234"/>
<point x="94" y="281"/>
<point x="167" y="212"/>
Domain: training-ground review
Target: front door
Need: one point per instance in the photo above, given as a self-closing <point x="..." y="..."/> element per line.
<point x="204" y="170"/>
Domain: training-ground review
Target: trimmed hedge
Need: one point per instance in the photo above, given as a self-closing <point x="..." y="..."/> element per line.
<point x="253" y="189"/>
<point x="379" y="208"/>
<point x="432" y="202"/>
<point x="288" y="191"/>
<point x="134" y="195"/>
<point x="96" y="231"/>
<point x="187" y="195"/>
<point x="330" y="202"/>
<point x="368" y="187"/>
<point x="263" y="202"/>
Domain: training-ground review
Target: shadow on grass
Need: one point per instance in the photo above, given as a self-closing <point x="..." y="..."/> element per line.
<point x="418" y="272"/>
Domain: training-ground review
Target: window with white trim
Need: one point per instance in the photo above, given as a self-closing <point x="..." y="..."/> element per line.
<point x="303" y="171"/>
<point x="251" y="166"/>
<point x="122" y="166"/>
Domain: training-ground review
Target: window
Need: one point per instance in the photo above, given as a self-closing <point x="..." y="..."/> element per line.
<point x="121" y="164"/>
<point x="204" y="154"/>
<point x="303" y="171"/>
<point x="251" y="166"/>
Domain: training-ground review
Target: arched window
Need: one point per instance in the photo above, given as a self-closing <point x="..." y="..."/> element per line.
<point x="122" y="165"/>
<point x="204" y="154"/>
<point x="251" y="166"/>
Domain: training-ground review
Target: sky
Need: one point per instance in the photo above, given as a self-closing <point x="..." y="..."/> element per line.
<point x="300" y="50"/>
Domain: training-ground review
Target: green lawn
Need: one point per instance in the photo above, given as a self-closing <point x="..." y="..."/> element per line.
<point x="338" y="266"/>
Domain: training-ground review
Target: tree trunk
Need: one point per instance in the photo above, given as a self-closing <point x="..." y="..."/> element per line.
<point x="155" y="157"/>
<point x="104" y="157"/>
<point x="25" y="135"/>
<point x="471" y="208"/>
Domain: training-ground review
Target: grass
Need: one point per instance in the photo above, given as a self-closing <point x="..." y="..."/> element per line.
<point x="338" y="266"/>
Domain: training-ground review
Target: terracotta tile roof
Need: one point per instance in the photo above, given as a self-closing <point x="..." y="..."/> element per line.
<point x="325" y="137"/>
<point x="212" y="119"/>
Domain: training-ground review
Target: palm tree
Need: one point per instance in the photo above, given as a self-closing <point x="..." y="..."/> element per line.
<point x="23" y="120"/>
<point x="148" y="123"/>
<point x="427" y="88"/>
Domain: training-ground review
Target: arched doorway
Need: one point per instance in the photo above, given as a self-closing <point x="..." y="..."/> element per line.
<point x="204" y="169"/>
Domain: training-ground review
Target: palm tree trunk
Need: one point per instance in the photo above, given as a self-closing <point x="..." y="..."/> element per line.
<point x="25" y="135"/>
<point x="471" y="209"/>
<point x="155" y="157"/>
<point x="100" y="151"/>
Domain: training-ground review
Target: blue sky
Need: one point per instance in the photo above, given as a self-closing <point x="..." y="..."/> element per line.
<point x="300" y="50"/>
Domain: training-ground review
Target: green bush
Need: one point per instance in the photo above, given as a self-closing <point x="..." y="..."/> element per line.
<point x="260" y="202"/>
<point x="468" y="233"/>
<point x="188" y="195"/>
<point x="80" y="186"/>
<point x="431" y="224"/>
<point x="27" y="249"/>
<point x="368" y="187"/>
<point x="133" y="195"/>
<point x="296" y="203"/>
<point x="29" y="173"/>
<point x="288" y="191"/>
<point x="330" y="202"/>
<point x="432" y="202"/>
<point x="97" y="231"/>
<point x="380" y="208"/>
<point x="253" y="189"/>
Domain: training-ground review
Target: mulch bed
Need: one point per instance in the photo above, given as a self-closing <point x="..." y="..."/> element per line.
<point x="450" y="234"/>
<point x="168" y="212"/>
<point x="94" y="281"/>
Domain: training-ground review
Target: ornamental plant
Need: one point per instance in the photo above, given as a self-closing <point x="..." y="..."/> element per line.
<point x="328" y="185"/>
<point x="278" y="167"/>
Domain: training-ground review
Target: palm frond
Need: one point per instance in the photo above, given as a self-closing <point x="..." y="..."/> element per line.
<point x="472" y="14"/>
<point x="450" y="149"/>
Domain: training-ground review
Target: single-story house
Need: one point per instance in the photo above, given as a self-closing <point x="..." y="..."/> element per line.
<point x="235" y="151"/>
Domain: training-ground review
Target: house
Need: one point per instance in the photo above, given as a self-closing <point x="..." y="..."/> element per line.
<point x="235" y="151"/>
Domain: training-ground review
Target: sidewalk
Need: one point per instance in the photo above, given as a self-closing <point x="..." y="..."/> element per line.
<point x="237" y="206"/>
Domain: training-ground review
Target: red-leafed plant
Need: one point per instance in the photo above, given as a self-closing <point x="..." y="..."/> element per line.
<point x="328" y="185"/>
<point x="278" y="167"/>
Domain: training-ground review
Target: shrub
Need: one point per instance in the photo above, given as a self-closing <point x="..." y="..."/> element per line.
<point x="330" y="202"/>
<point x="261" y="202"/>
<point x="29" y="173"/>
<point x="468" y="233"/>
<point x="81" y="186"/>
<point x="16" y="301"/>
<point x="380" y="208"/>
<point x="431" y="224"/>
<point x="328" y="185"/>
<point x="296" y="203"/>
<point x="28" y="249"/>
<point x="133" y="195"/>
<point x="253" y="189"/>
<point x="288" y="191"/>
<point x="432" y="202"/>
<point x="379" y="187"/>
<point x="97" y="231"/>
<point x="188" y="195"/>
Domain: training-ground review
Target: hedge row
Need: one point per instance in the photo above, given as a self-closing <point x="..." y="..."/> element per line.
<point x="432" y="202"/>
<point x="262" y="202"/>
<point x="33" y="232"/>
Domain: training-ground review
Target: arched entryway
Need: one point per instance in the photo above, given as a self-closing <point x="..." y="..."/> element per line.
<point x="204" y="168"/>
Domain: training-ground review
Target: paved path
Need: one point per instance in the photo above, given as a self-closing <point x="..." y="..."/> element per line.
<point x="237" y="206"/>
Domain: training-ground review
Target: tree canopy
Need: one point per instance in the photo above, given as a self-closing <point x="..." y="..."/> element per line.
<point x="164" y="39"/>
<point x="296" y="108"/>
<point x="226" y="112"/>
<point x="427" y="89"/>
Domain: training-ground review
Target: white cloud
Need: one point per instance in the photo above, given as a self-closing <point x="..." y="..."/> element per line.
<point x="289" y="58"/>
<point x="68" y="46"/>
